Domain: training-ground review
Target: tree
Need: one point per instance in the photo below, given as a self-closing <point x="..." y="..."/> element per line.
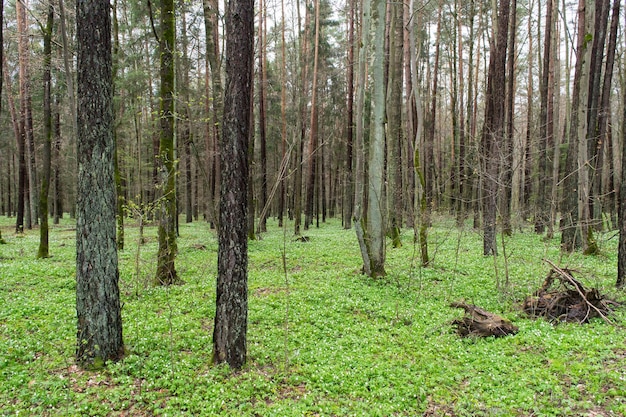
<point x="348" y="199"/>
<point x="493" y="128"/>
<point x="1" y="79"/>
<point x="375" y="232"/>
<point x="262" y="227"/>
<point x="394" y="123"/>
<point x="47" y="145"/>
<point x="99" y="336"/>
<point x="26" y="114"/>
<point x="166" y="270"/>
<point x="621" y="253"/>
<point x="231" y="315"/>
<point x="575" y="184"/>
<point x="211" y="11"/>
<point x="542" y="212"/>
<point x="312" y="156"/>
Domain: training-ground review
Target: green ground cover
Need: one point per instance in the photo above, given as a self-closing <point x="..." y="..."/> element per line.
<point x="323" y="340"/>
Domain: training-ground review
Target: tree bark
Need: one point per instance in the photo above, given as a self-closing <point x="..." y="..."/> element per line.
<point x="570" y="234"/>
<point x="621" y="252"/>
<point x="394" y="123"/>
<point x="507" y="142"/>
<point x="118" y="176"/>
<point x="493" y="128"/>
<point x="21" y="158"/>
<point x="166" y="271"/>
<point x="211" y="14"/>
<point x="375" y="237"/>
<point x="26" y="117"/>
<point x="262" y="226"/>
<point x="283" y="119"/>
<point x="99" y="336"/>
<point x="229" y="336"/>
<point x="43" y="251"/>
<point x="312" y="155"/>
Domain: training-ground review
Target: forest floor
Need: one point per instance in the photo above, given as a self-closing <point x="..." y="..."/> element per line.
<point x="323" y="340"/>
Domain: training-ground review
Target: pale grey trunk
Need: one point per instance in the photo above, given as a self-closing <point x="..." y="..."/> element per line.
<point x="376" y="202"/>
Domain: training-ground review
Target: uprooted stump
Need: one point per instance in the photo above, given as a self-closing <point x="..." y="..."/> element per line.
<point x="482" y="323"/>
<point x="563" y="298"/>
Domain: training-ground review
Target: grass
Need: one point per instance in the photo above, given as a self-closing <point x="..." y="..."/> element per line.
<point x="323" y="340"/>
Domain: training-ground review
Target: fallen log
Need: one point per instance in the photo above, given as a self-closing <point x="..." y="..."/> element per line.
<point x="481" y="323"/>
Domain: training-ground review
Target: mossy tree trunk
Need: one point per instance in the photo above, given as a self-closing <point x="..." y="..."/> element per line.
<point x="166" y="270"/>
<point x="99" y="335"/>
<point x="395" y="129"/>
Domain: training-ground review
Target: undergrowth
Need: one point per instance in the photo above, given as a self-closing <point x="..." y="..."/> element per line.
<point x="323" y="340"/>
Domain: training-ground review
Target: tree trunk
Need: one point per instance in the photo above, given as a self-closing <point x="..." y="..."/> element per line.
<point x="262" y="226"/>
<point x="602" y="191"/>
<point x="19" y="139"/>
<point x="166" y="271"/>
<point x="26" y="117"/>
<point x="570" y="233"/>
<point x="542" y="208"/>
<point x="312" y="156"/>
<point x="302" y="106"/>
<point x="394" y="123"/>
<point x="621" y="252"/>
<point x="43" y="251"/>
<point x="185" y="114"/>
<point x="507" y="143"/>
<point x="493" y="128"/>
<point x="229" y="336"/>
<point x="283" y="118"/>
<point x="99" y="336"/>
<point x="117" y="175"/>
<point x="375" y="238"/>
<point x="211" y="12"/>
<point x="348" y="189"/>
<point x="8" y="209"/>
<point x="594" y="142"/>
<point x="58" y="202"/>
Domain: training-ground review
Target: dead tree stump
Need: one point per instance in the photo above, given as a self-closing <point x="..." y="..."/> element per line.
<point x="482" y="323"/>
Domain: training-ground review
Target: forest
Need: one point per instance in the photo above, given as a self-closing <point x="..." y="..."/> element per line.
<point x="305" y="207"/>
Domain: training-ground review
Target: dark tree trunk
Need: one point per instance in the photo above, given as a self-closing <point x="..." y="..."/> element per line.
<point x="99" y="336"/>
<point x="507" y="142"/>
<point x="594" y="141"/>
<point x="493" y="129"/>
<point x="262" y="122"/>
<point x="570" y="234"/>
<point x="58" y="202"/>
<point x="312" y="156"/>
<point x="621" y="253"/>
<point x="302" y="106"/>
<point x="395" y="130"/>
<point x="348" y="189"/>
<point x="604" y="112"/>
<point x="231" y="316"/>
<point x="1" y="75"/>
<point x="542" y="210"/>
<point x="119" y="186"/>
<point x="43" y="251"/>
<point x="283" y="118"/>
